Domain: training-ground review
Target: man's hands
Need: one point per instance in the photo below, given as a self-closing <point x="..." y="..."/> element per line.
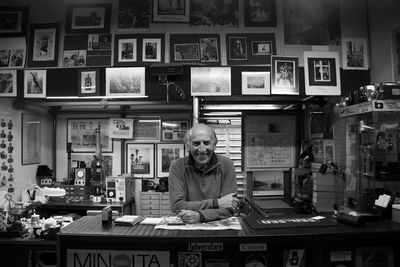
<point x="189" y="216"/>
<point x="228" y="201"/>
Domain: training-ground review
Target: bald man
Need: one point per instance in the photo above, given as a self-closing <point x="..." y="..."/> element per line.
<point x="203" y="184"/>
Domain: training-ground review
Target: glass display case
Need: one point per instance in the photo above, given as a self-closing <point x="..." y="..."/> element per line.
<point x="368" y="151"/>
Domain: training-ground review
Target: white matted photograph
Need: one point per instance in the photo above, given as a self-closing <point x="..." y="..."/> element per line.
<point x="35" y="83"/>
<point x="8" y="83"/>
<point x="44" y="44"/>
<point x="166" y="153"/>
<point x="127" y="50"/>
<point x="125" y="82"/>
<point x="285" y="75"/>
<point x="210" y="81"/>
<point x="140" y="160"/>
<point x="151" y="50"/>
<point x="322" y="73"/>
<point x="355" y="54"/>
<point x="256" y="83"/>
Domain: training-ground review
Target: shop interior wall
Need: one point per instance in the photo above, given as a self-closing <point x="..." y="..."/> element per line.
<point x="25" y="174"/>
<point x="48" y="11"/>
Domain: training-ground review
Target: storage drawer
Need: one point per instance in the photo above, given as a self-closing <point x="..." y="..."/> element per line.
<point x="150" y="207"/>
<point x="150" y="202"/>
<point x="165" y="196"/>
<point x="150" y="196"/>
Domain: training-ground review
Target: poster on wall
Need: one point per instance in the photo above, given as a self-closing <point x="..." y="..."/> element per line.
<point x="31" y="139"/>
<point x="7" y="144"/>
<point x="121" y="128"/>
<point x="355" y="54"/>
<point x="269" y="150"/>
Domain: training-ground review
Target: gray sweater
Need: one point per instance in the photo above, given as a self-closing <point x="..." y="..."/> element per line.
<point x="192" y="189"/>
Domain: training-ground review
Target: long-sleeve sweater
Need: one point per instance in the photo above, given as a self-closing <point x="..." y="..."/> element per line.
<point x="192" y="189"/>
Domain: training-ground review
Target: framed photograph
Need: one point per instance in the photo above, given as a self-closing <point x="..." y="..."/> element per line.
<point x="146" y="129"/>
<point x="13" y="20"/>
<point x="88" y="82"/>
<point x="8" y="83"/>
<point x="85" y="18"/>
<point x="74" y="58"/>
<point x="206" y="13"/>
<point x="256" y="83"/>
<point x="261" y="48"/>
<point x="166" y="153"/>
<point x="187" y="52"/>
<point x="237" y="48"/>
<point x="121" y="128"/>
<point x="151" y="50"/>
<point x="171" y="11"/>
<point x="329" y="149"/>
<point x="209" y="50"/>
<point x="355" y="54"/>
<point x="210" y="81"/>
<point x="125" y="82"/>
<point x="174" y="130"/>
<point x="127" y="50"/>
<point x="322" y="73"/>
<point x="87" y="158"/>
<point x="134" y="14"/>
<point x="31" y="139"/>
<point x="82" y="134"/>
<point x="140" y="160"/>
<point x="35" y="83"/>
<point x="12" y="52"/>
<point x="285" y="76"/>
<point x="43" y="44"/>
<point x="260" y="13"/>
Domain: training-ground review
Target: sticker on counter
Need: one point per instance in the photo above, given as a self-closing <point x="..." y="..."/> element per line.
<point x="256" y="260"/>
<point x="294" y="258"/>
<point x="91" y="258"/>
<point x="211" y="246"/>
<point x="253" y="247"/>
<point x="217" y="263"/>
<point x="189" y="259"/>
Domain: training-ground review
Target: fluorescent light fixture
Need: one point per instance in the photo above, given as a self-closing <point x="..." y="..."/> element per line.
<point x="93" y="97"/>
<point x="226" y="113"/>
<point x="244" y="107"/>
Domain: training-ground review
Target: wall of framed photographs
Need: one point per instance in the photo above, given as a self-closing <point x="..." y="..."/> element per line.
<point x="104" y="34"/>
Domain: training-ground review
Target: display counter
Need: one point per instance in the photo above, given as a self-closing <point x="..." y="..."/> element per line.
<point x="86" y="242"/>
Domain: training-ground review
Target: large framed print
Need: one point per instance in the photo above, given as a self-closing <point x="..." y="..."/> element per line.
<point x="8" y="83"/>
<point x="82" y="134"/>
<point x="171" y="11"/>
<point x="88" y="18"/>
<point x="121" y="128"/>
<point x="355" y="54"/>
<point x="256" y="83"/>
<point x="31" y="139"/>
<point x="140" y="160"/>
<point x="13" y="20"/>
<point x="269" y="150"/>
<point x="134" y="14"/>
<point x="151" y="50"/>
<point x="35" y="83"/>
<point x="210" y="81"/>
<point x="43" y="45"/>
<point x="322" y="73"/>
<point x="285" y="76"/>
<point x="174" y="130"/>
<point x="146" y="129"/>
<point x="88" y="159"/>
<point x="88" y="82"/>
<point x="206" y="13"/>
<point x="166" y="153"/>
<point x="260" y="13"/>
<point x="125" y="82"/>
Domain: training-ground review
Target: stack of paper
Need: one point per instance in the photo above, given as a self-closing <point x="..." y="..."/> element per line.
<point x="128" y="220"/>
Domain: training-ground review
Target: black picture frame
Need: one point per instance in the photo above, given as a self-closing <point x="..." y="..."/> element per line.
<point x="260" y="13"/>
<point x="134" y="14"/>
<point x="285" y="75"/>
<point x="43" y="44"/>
<point x="13" y="21"/>
<point x="88" y="18"/>
<point x="88" y="82"/>
<point x="175" y="13"/>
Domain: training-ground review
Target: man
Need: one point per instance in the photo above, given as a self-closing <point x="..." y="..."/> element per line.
<point x="203" y="184"/>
